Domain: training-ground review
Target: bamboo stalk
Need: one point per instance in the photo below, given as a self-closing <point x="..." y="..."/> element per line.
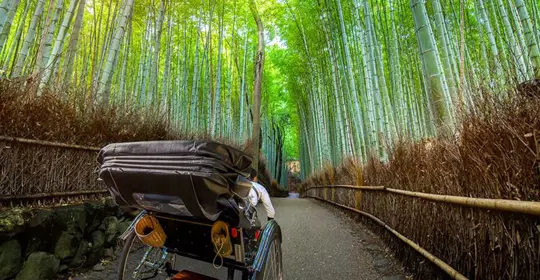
<point x="515" y="206"/>
<point x="47" y="143"/>
<point x="524" y="207"/>
<point x="454" y="274"/>
<point x="370" y="188"/>
<point x="54" y="194"/>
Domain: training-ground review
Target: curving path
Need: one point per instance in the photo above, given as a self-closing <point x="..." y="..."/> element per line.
<point x="319" y="242"/>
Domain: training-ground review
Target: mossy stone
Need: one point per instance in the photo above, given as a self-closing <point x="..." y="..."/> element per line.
<point x="10" y="259"/>
<point x="39" y="266"/>
<point x="66" y="246"/>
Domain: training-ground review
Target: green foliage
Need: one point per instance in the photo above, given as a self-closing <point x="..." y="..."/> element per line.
<point x="367" y="73"/>
<point x="342" y="78"/>
<point x="278" y="99"/>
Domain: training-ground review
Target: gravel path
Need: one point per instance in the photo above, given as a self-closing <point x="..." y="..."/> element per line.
<point x="319" y="242"/>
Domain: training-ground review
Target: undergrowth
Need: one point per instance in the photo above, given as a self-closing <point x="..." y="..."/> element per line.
<point x="68" y="117"/>
<point x="74" y="120"/>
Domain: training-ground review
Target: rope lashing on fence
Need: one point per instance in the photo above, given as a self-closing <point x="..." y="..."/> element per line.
<point x="515" y="206"/>
<point x="47" y="143"/>
<point x="438" y="262"/>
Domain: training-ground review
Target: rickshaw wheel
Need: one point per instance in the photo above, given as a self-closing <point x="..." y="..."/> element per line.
<point x="268" y="264"/>
<point x="140" y="261"/>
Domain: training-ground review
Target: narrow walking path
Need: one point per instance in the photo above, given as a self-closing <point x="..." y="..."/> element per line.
<point x="319" y="242"/>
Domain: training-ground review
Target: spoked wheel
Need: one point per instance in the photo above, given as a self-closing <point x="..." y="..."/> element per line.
<point x="140" y="261"/>
<point x="268" y="264"/>
<point x="273" y="269"/>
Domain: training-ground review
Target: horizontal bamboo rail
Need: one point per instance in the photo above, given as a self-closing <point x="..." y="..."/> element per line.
<point x="54" y="194"/>
<point x="47" y="143"/>
<point x="515" y="206"/>
<point x="370" y="188"/>
<point x="438" y="262"/>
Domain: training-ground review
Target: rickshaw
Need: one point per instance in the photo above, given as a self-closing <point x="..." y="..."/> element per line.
<point x="192" y="202"/>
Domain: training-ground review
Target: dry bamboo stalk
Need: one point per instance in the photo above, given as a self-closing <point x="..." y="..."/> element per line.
<point x="54" y="194"/>
<point x="47" y="143"/>
<point x="524" y="207"/>
<point x="438" y="262"/>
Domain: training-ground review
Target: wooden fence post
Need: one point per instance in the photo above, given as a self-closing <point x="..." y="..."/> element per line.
<point x="358" y="199"/>
<point x="326" y="195"/>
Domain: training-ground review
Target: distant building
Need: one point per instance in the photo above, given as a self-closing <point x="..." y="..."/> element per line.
<point x="293" y="166"/>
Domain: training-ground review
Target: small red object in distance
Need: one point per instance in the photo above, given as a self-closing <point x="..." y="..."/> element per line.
<point x="257" y="234"/>
<point x="234" y="233"/>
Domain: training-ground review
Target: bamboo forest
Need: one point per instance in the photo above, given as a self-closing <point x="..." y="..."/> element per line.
<point x="359" y="74"/>
<point x="397" y="96"/>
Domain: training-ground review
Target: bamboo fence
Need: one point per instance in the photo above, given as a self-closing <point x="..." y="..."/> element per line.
<point x="438" y="262"/>
<point x="515" y="206"/>
<point x="41" y="170"/>
<point x="352" y="197"/>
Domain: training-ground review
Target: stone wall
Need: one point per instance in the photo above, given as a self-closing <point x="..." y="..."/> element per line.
<point x="45" y="243"/>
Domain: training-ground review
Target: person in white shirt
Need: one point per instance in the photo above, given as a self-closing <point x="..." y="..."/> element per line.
<point x="259" y="193"/>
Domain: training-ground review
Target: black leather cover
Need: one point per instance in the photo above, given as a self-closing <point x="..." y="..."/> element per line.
<point x="175" y="177"/>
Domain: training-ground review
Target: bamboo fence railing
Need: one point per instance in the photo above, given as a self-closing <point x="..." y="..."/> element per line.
<point x="53" y="194"/>
<point x="47" y="143"/>
<point x="514" y="206"/>
<point x="438" y="262"/>
<point x="34" y="172"/>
